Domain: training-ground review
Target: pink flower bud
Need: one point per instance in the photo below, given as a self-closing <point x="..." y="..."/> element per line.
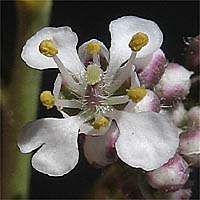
<point x="104" y="146"/>
<point x="150" y="102"/>
<point x="177" y="195"/>
<point x="174" y="84"/>
<point x="193" y="116"/>
<point x="192" y="54"/>
<point x="178" y="115"/>
<point x="189" y="146"/>
<point x="152" y="68"/>
<point x="171" y="176"/>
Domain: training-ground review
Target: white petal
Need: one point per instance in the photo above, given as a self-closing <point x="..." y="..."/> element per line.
<point x="130" y="106"/>
<point x="122" y="31"/>
<point x="114" y="78"/>
<point x="147" y="140"/>
<point x="57" y="142"/>
<point x="65" y="41"/>
<point x="100" y="151"/>
<point x="85" y="56"/>
<point x="121" y="76"/>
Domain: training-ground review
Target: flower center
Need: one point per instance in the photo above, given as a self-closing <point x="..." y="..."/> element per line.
<point x="93" y="96"/>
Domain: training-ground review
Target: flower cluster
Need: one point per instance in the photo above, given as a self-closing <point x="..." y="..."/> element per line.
<point x="115" y="98"/>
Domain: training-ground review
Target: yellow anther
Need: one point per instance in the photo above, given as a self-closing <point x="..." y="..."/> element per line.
<point x="136" y="94"/>
<point x="100" y="122"/>
<point x="48" y="48"/>
<point x="93" y="47"/>
<point x="138" y="41"/>
<point x="93" y="74"/>
<point x="47" y="99"/>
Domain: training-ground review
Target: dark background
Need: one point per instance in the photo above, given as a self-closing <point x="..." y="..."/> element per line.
<point x="177" y="20"/>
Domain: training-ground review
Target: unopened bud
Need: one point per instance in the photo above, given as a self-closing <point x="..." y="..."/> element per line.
<point x="192" y="60"/>
<point x="189" y="146"/>
<point x="104" y="146"/>
<point x="177" y="195"/>
<point x="178" y="115"/>
<point x="150" y="102"/>
<point x="171" y="176"/>
<point x="174" y="84"/>
<point x="193" y="116"/>
<point x="151" y="68"/>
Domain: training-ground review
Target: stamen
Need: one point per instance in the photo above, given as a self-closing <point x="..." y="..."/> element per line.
<point x="47" y="99"/>
<point x="93" y="47"/>
<point x="136" y="94"/>
<point x="93" y="74"/>
<point x="67" y="76"/>
<point x="100" y="122"/>
<point x="138" y="41"/>
<point x="48" y="48"/>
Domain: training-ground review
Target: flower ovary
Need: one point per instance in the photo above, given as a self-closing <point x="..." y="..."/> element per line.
<point x="93" y="74"/>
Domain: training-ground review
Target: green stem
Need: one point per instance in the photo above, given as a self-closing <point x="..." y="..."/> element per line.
<point x="19" y="101"/>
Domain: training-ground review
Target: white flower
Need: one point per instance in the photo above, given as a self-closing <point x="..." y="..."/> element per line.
<point x="144" y="140"/>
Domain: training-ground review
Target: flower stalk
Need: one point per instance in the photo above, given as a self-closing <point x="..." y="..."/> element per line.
<point x="19" y="101"/>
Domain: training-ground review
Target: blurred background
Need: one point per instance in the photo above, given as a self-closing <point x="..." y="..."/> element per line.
<point x="178" y="20"/>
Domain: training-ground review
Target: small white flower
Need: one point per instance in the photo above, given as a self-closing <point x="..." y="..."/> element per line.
<point x="144" y="140"/>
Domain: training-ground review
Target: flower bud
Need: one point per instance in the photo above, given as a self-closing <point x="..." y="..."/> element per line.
<point x="174" y="84"/>
<point x="150" y="102"/>
<point x="104" y="146"/>
<point x="192" y="54"/>
<point x="189" y="146"/>
<point x="152" y="68"/>
<point x="171" y="176"/>
<point x="177" y="195"/>
<point x="178" y="115"/>
<point x="193" y="116"/>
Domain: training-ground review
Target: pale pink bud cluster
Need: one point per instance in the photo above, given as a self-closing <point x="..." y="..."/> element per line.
<point x="177" y="195"/>
<point x="171" y="176"/>
<point x="178" y="114"/>
<point x="189" y="146"/>
<point x="104" y="146"/>
<point x="175" y="83"/>
<point x="151" y="69"/>
<point x="192" y="54"/>
<point x="149" y="103"/>
<point x="193" y="116"/>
